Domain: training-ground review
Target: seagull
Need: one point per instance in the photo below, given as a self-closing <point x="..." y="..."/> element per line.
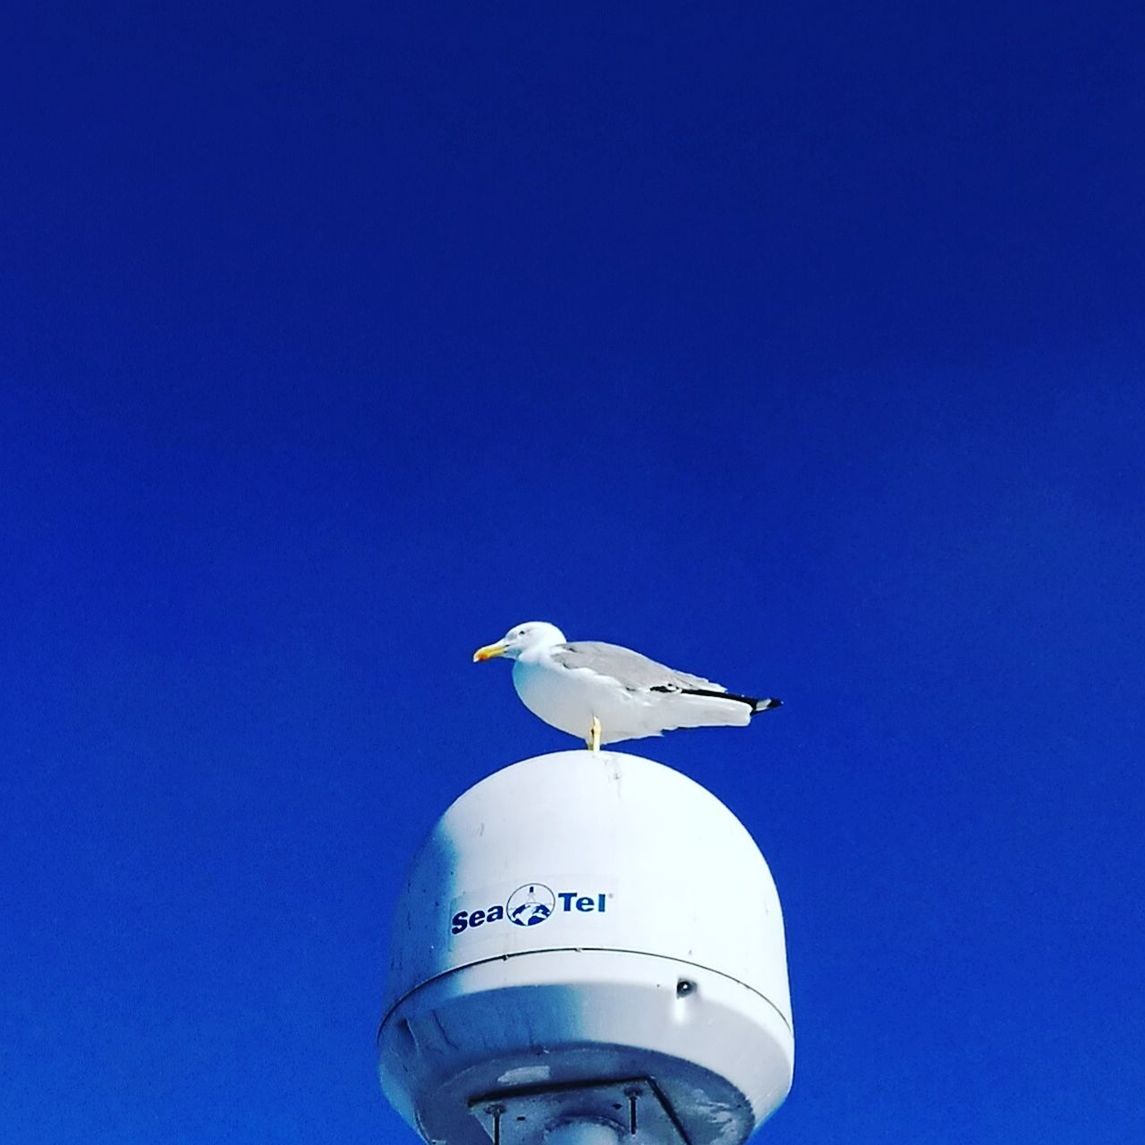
<point x="606" y="693"/>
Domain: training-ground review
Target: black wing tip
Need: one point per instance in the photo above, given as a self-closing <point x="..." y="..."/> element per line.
<point x="756" y="705"/>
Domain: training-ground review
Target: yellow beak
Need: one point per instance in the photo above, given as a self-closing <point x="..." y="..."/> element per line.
<point x="488" y="652"/>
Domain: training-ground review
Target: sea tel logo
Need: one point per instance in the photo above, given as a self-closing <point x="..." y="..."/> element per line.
<point x="530" y="905"/>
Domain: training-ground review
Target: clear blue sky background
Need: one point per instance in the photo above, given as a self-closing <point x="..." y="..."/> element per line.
<point x="797" y="345"/>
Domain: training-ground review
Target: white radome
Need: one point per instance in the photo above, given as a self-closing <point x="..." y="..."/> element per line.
<point x="656" y="960"/>
<point x="604" y="693"/>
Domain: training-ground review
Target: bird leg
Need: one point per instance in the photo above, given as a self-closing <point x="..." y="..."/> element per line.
<point x="593" y="741"/>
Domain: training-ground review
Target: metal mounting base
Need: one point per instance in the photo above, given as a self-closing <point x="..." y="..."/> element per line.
<point x="632" y="1109"/>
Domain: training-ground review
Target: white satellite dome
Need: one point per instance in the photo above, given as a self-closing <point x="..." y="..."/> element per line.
<point x="587" y="940"/>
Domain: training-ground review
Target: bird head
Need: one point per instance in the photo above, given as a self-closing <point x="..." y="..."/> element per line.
<point x="522" y="638"/>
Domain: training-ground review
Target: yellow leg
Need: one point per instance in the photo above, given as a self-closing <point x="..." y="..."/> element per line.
<point x="593" y="741"/>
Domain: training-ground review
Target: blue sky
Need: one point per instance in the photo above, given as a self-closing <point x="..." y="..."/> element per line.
<point x="797" y="346"/>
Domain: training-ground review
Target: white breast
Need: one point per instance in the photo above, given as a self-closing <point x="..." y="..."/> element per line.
<point x="564" y="699"/>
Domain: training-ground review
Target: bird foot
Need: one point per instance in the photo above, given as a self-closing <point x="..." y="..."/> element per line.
<point x="593" y="740"/>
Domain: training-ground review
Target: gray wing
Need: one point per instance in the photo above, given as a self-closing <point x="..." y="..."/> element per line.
<point x="631" y="669"/>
